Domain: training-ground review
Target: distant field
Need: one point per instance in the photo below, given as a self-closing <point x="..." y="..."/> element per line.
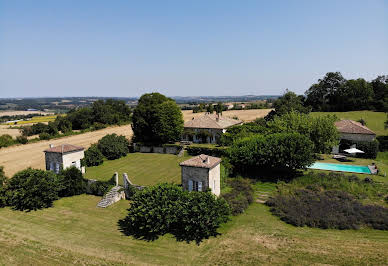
<point x="142" y="168"/>
<point x="374" y="120"/>
<point x="2" y="113"/>
<point x="19" y="157"/>
<point x="245" y="115"/>
<point x="76" y="232"/>
<point x="4" y="129"/>
<point x="36" y="119"/>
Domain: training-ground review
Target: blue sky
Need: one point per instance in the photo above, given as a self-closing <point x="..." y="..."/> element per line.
<point x="182" y="48"/>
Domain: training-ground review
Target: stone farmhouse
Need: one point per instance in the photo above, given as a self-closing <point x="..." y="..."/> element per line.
<point x="64" y="156"/>
<point x="200" y="173"/>
<point x="354" y="131"/>
<point x="207" y="128"/>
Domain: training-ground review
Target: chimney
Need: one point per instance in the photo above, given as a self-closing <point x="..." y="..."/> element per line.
<point x="51" y="146"/>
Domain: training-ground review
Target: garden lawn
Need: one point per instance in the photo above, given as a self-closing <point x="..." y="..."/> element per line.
<point x="374" y="120"/>
<point x="142" y="168"/>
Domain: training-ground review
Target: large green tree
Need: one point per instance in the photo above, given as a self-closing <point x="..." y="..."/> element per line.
<point x="357" y="94"/>
<point x="380" y="90"/>
<point x="71" y="182"/>
<point x="290" y="102"/>
<point x="113" y="146"/>
<point x="157" y="119"/>
<point x="3" y="183"/>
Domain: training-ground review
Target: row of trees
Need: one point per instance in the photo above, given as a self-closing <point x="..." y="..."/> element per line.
<point x="334" y="93"/>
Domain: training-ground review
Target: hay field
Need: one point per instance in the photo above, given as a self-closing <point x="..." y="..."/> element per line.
<point x="245" y="115"/>
<point x="4" y="129"/>
<point x="2" y="113"/>
<point x="35" y="120"/>
<point x="19" y="157"/>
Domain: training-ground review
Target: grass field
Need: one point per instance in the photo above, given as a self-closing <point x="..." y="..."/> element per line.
<point x="142" y="169"/>
<point x="5" y="130"/>
<point x="36" y="119"/>
<point x="374" y="120"/>
<point x="75" y="231"/>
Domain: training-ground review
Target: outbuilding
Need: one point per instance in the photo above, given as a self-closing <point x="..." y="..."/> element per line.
<point x="64" y="156"/>
<point x="201" y="173"/>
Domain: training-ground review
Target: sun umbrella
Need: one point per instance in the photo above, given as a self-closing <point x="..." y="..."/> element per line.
<point x="353" y="150"/>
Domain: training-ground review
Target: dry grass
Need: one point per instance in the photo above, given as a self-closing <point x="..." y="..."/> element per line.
<point x="245" y="115"/>
<point x="16" y="158"/>
<point x="4" y="129"/>
<point x="2" y="113"/>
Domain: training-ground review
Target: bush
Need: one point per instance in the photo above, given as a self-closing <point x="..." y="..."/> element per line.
<point x="32" y="189"/>
<point x="113" y="146"/>
<point x="328" y="209"/>
<point x="93" y="156"/>
<point x="241" y="195"/>
<point x="6" y="140"/>
<point x="383" y="143"/>
<point x="44" y="136"/>
<point x="22" y="139"/>
<point x="286" y="152"/>
<point x="71" y="182"/>
<point x="3" y="184"/>
<point x="165" y="208"/>
<point x="211" y="151"/>
<point x="99" y="188"/>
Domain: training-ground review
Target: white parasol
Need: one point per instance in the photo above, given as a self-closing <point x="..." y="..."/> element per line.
<point x="353" y="150"/>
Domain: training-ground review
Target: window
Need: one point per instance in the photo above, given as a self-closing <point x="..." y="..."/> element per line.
<point x="57" y="167"/>
<point x="195" y="185"/>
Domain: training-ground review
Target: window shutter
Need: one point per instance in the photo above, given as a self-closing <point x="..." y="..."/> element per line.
<point x="190" y="185"/>
<point x="57" y="168"/>
<point x="199" y="186"/>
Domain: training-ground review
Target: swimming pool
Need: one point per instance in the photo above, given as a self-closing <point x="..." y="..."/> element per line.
<point x="341" y="167"/>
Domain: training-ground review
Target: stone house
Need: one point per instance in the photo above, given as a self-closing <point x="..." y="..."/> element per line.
<point x="64" y="156"/>
<point x="200" y="173"/>
<point x="207" y="128"/>
<point x="353" y="131"/>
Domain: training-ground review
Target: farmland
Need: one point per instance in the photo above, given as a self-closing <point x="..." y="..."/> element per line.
<point x="74" y="231"/>
<point x="19" y="157"/>
<point x="245" y="115"/>
<point x="35" y="119"/>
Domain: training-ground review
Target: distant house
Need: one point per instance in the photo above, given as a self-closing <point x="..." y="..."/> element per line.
<point x="201" y="173"/>
<point x="63" y="156"/>
<point x="207" y="128"/>
<point x="353" y="131"/>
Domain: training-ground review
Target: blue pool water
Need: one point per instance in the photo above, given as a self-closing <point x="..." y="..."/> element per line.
<point x="341" y="167"/>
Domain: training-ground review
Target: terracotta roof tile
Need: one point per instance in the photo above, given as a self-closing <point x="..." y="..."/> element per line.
<point x="212" y="121"/>
<point x="202" y="161"/>
<point x="352" y="127"/>
<point x="64" y="148"/>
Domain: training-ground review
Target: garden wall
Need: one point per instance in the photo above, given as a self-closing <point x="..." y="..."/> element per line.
<point x="165" y="149"/>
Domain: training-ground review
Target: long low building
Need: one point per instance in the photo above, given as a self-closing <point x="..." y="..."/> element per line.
<point x="207" y="128"/>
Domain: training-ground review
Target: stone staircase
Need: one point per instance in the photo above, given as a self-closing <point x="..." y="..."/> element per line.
<point x="114" y="195"/>
<point x="181" y="153"/>
<point x="262" y="196"/>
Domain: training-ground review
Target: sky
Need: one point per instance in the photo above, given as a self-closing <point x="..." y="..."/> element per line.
<point x="186" y="48"/>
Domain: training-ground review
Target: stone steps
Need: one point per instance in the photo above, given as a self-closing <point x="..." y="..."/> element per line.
<point x="262" y="196"/>
<point x="111" y="197"/>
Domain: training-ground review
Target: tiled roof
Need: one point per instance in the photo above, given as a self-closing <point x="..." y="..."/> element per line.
<point x="212" y="121"/>
<point x="202" y="161"/>
<point x="64" y="148"/>
<point x="352" y="127"/>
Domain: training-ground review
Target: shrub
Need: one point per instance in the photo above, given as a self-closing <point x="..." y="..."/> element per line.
<point x="44" y="136"/>
<point x="241" y="195"/>
<point x="22" y="139"/>
<point x="93" y="156"/>
<point x="6" y="140"/>
<point x="32" y="189"/>
<point x="113" y="146"/>
<point x="383" y="143"/>
<point x="274" y="152"/>
<point x="328" y="209"/>
<point x="212" y="151"/>
<point x="98" y="126"/>
<point x="71" y="182"/>
<point x="3" y="183"/>
<point x="165" y="208"/>
<point x="99" y="188"/>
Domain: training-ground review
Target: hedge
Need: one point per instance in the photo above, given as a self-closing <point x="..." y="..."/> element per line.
<point x="215" y="151"/>
<point x="383" y="143"/>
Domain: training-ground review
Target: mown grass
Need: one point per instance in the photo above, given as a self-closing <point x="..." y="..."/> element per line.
<point x="75" y="231"/>
<point x="374" y="120"/>
<point x="142" y="168"/>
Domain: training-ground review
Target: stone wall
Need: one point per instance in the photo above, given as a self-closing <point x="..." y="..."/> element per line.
<point x="215" y="180"/>
<point x="196" y="174"/>
<point x="358" y="137"/>
<point x="53" y="157"/>
<point x="156" y="149"/>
